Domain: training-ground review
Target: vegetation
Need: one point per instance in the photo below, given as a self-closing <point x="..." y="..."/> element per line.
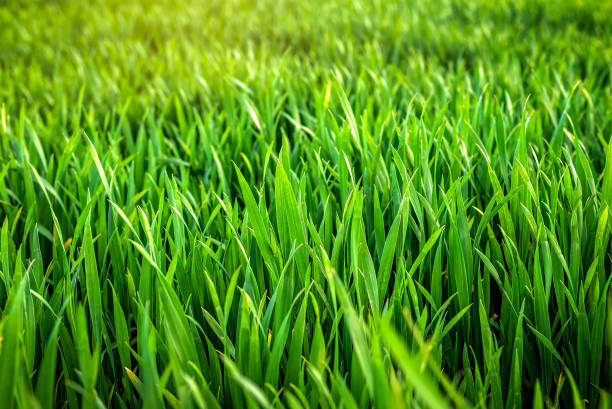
<point x="334" y="204"/>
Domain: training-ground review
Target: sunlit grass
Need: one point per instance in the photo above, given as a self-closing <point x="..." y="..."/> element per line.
<point x="305" y="204"/>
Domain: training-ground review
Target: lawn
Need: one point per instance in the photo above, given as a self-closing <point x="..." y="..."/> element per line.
<point x="305" y="204"/>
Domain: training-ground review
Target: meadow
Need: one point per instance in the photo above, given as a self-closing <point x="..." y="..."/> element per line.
<point x="305" y="204"/>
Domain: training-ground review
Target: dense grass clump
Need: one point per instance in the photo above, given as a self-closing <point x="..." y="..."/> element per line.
<point x="334" y="204"/>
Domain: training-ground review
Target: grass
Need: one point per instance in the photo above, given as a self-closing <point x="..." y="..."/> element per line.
<point x="295" y="204"/>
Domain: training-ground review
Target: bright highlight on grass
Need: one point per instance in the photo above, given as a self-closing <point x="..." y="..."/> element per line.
<point x="305" y="204"/>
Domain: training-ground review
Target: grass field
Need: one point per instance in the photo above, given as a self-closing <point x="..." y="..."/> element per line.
<point x="293" y="204"/>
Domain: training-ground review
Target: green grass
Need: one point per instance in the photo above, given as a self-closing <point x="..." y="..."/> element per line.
<point x="293" y="204"/>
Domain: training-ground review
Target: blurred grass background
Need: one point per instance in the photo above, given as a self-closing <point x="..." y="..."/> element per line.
<point x="115" y="50"/>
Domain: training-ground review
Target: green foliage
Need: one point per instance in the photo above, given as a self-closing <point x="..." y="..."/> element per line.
<point x="334" y="204"/>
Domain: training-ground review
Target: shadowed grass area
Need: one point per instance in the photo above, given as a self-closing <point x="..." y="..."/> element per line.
<point x="305" y="204"/>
